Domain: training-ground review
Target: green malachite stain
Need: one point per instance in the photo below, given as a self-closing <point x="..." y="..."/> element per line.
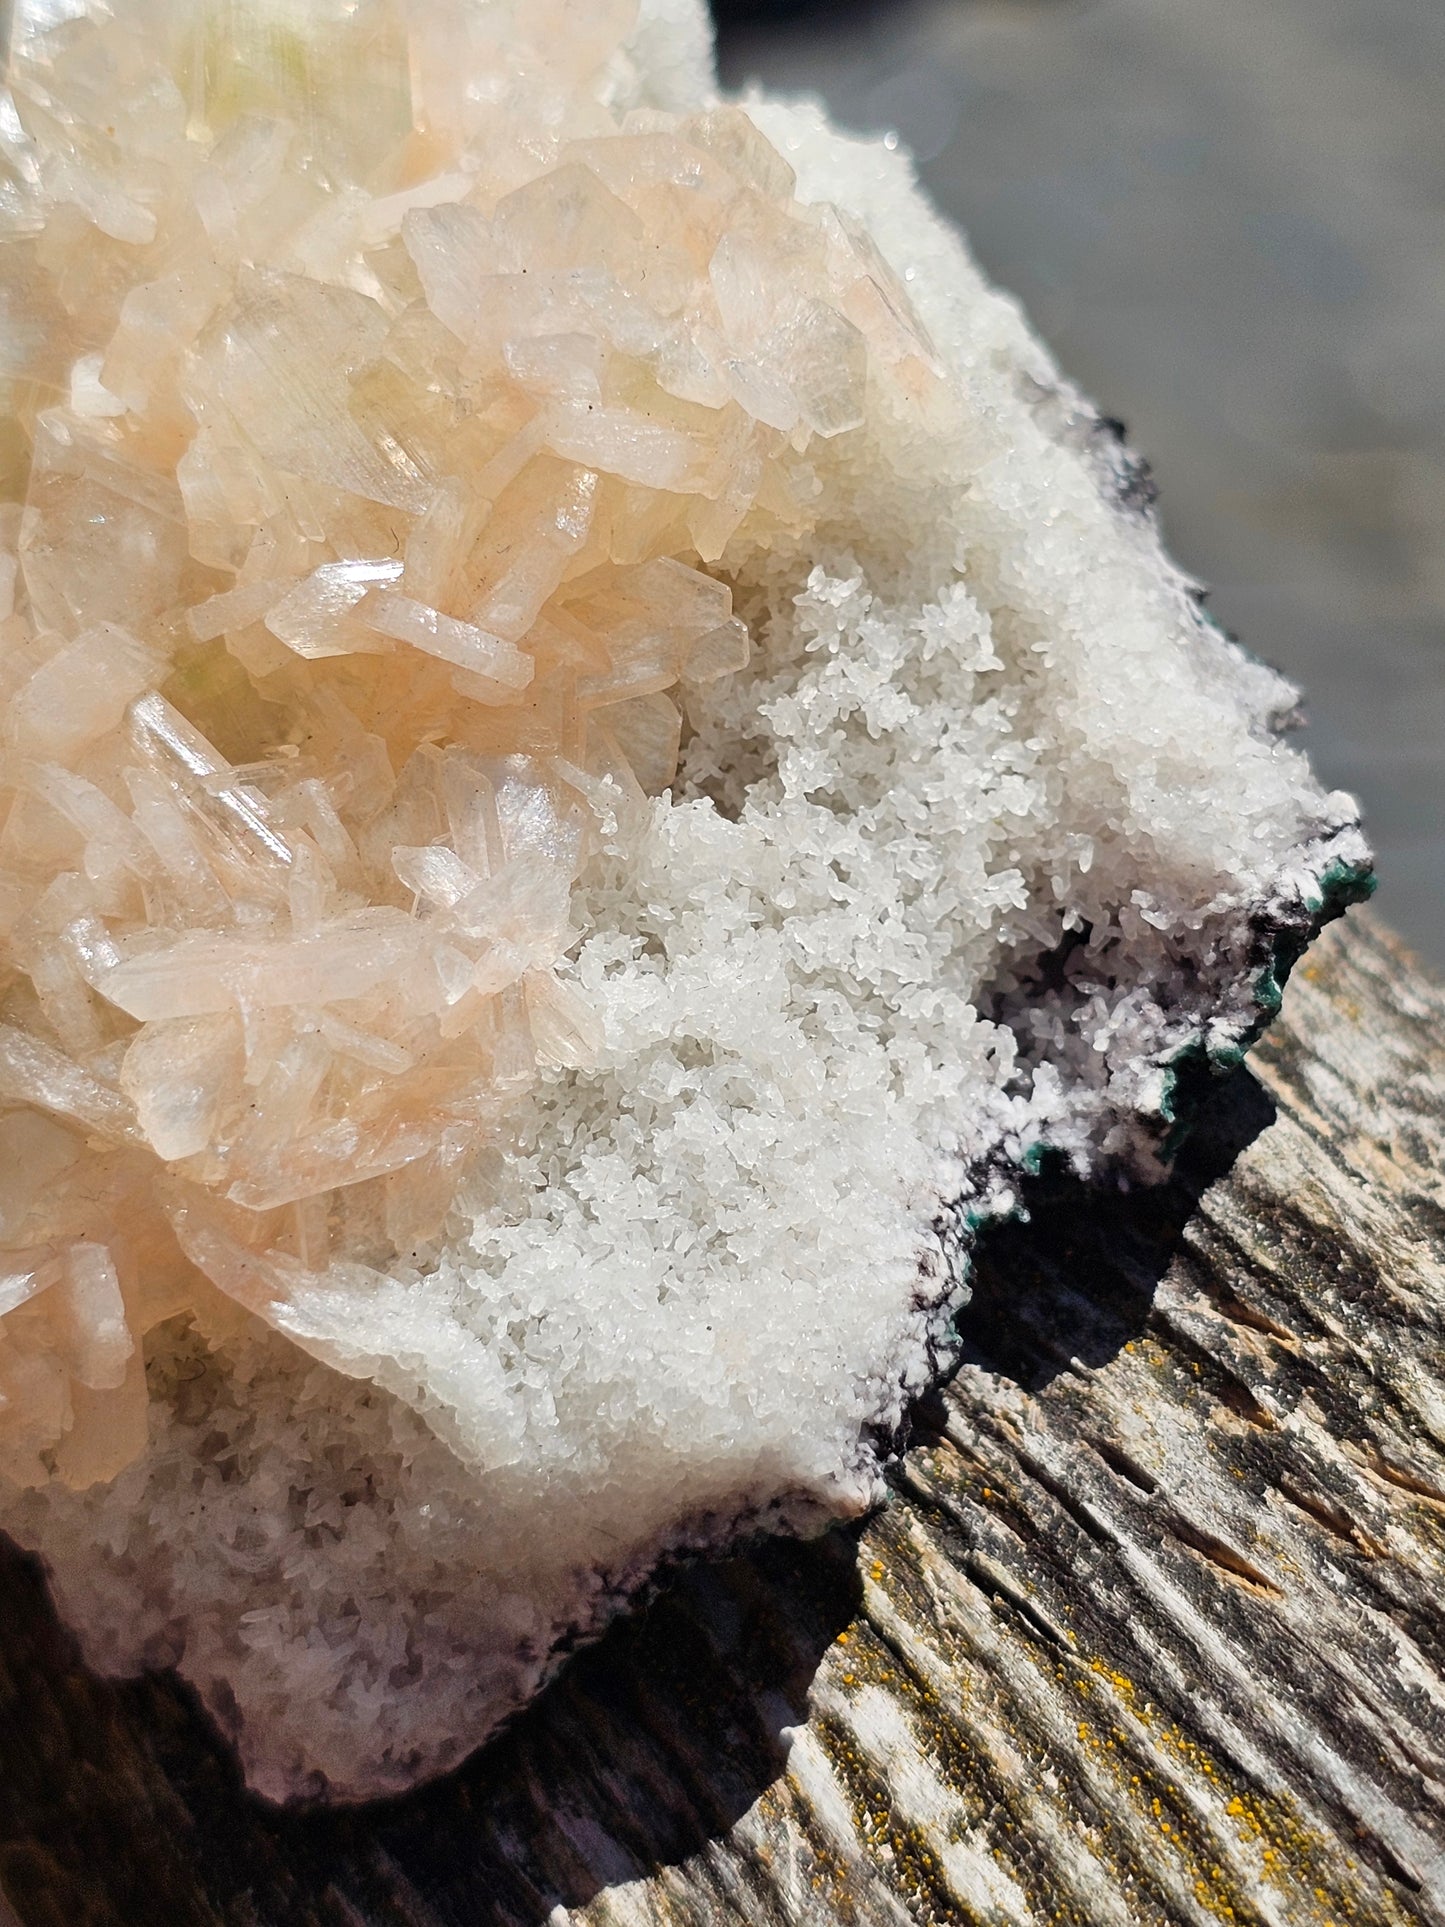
<point x="1197" y="1063"/>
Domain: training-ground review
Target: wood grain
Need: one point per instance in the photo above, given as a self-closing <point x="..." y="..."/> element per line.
<point x="1150" y="1632"/>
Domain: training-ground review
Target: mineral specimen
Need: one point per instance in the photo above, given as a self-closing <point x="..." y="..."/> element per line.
<point x="595" y="757"/>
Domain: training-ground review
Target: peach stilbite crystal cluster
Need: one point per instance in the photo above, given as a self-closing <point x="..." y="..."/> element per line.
<point x="362" y="568"/>
<point x="595" y="756"/>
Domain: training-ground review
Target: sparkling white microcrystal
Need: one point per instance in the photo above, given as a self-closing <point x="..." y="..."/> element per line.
<point x="565" y="664"/>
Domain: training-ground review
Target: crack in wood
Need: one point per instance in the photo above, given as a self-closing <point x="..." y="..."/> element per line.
<point x="1148" y="1632"/>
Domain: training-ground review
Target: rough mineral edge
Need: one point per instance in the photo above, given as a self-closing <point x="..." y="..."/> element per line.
<point x="355" y="1630"/>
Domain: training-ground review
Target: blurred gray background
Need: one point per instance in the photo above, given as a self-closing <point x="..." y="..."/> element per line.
<point x="1227" y="217"/>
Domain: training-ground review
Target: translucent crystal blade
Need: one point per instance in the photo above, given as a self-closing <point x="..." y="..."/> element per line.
<point x="377" y="453"/>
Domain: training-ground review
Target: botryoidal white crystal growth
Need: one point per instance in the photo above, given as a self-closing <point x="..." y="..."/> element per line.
<point x="596" y="755"/>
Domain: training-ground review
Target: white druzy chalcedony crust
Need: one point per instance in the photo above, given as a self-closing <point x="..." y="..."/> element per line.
<point x="595" y="757"/>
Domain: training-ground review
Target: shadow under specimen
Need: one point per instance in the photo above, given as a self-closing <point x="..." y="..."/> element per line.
<point x="119" y="1806"/>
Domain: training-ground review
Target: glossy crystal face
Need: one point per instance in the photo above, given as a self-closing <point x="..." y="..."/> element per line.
<point x="378" y="411"/>
<point x="580" y="795"/>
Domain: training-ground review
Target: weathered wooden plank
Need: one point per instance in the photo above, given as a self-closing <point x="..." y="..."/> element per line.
<point x="1152" y="1630"/>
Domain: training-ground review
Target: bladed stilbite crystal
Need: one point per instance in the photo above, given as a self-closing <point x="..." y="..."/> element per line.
<point x="592" y="761"/>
